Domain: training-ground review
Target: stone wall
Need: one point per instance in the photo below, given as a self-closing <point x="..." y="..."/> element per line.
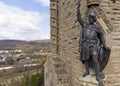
<point x="69" y="33"/>
<point x="65" y="33"/>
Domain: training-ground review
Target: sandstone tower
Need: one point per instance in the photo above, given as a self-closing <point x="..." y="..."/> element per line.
<point x="63" y="67"/>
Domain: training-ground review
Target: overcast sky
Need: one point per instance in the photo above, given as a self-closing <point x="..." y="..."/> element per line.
<point x="24" y="19"/>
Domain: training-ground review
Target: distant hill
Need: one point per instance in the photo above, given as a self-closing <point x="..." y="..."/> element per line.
<point x="19" y="44"/>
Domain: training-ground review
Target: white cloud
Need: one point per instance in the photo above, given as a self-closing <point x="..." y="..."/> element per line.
<point x="16" y="23"/>
<point x="44" y="2"/>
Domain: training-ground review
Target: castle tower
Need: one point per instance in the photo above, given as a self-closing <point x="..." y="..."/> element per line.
<point x="63" y="67"/>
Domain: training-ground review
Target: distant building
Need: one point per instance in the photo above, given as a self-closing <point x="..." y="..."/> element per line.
<point x="10" y="51"/>
<point x="18" y="51"/>
<point x="2" y="59"/>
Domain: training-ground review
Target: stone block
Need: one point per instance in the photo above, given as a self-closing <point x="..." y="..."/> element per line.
<point x="53" y="13"/>
<point x="53" y="39"/>
<point x="53" y="48"/>
<point x="54" y="31"/>
<point x="53" y="5"/>
<point x="53" y="22"/>
<point x="58" y="63"/>
<point x="62" y="78"/>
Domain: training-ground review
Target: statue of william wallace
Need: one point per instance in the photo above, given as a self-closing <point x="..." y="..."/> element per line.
<point x="93" y="50"/>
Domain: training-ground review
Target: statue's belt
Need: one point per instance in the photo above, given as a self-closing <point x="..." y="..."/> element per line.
<point x="88" y="41"/>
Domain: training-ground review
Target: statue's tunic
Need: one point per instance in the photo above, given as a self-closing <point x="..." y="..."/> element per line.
<point x="90" y="40"/>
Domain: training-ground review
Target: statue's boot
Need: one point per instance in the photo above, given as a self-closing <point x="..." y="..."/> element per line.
<point x="100" y="81"/>
<point x="85" y="74"/>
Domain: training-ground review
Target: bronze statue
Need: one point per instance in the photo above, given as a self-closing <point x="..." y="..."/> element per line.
<point x="93" y="50"/>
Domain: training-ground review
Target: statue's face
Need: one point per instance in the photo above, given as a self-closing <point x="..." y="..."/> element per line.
<point x="91" y="19"/>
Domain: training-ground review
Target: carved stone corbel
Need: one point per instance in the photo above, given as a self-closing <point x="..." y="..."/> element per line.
<point x="92" y="2"/>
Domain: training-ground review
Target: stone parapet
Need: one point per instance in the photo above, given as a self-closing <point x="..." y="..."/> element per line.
<point x="56" y="73"/>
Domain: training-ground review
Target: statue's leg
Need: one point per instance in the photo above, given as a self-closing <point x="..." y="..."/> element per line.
<point x="97" y="67"/>
<point x="86" y="62"/>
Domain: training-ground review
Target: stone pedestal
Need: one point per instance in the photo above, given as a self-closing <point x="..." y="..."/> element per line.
<point x="90" y="80"/>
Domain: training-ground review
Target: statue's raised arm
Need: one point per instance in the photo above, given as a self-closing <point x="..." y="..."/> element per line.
<point x="79" y="15"/>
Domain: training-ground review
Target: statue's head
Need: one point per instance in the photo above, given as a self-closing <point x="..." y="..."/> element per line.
<point x="92" y="17"/>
